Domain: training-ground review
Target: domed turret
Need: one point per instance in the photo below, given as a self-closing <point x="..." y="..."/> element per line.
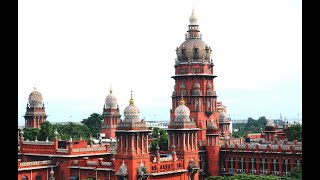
<point x="208" y="86"/>
<point x="196" y="89"/>
<point x="193" y="49"/>
<point x="212" y="126"/>
<point x="182" y="112"/>
<point x="35" y="99"/>
<point x="111" y="101"/>
<point x="123" y="170"/>
<point x="270" y="126"/>
<point x="223" y="116"/>
<point x="131" y="112"/>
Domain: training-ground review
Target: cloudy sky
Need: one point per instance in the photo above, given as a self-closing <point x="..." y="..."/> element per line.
<point x="74" y="50"/>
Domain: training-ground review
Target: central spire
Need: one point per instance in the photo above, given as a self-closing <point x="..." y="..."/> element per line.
<point x="193" y="31"/>
<point x="131" y="99"/>
<point x="193" y="18"/>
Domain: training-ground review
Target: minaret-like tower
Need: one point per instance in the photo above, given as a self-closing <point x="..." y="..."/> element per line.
<point x="194" y="79"/>
<point x="132" y="144"/>
<point x="111" y="116"/>
<point x="224" y="124"/>
<point x="182" y="133"/>
<point x="270" y="132"/>
<point x="213" y="148"/>
<point x="35" y="113"/>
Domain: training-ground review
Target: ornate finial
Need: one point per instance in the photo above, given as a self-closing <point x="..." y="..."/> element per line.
<point x="36" y="139"/>
<point x="181" y="100"/>
<point x="47" y="140"/>
<point x="51" y="172"/>
<point x="193" y="18"/>
<point x="70" y="140"/>
<point x="21" y="133"/>
<point x="56" y="134"/>
<point x="35" y="87"/>
<point x="131" y="99"/>
<point x="80" y="137"/>
<point x="110" y="89"/>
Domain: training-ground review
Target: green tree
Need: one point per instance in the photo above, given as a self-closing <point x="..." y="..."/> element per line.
<point x="297" y="173"/>
<point x="163" y="141"/>
<point x="94" y="123"/>
<point x="294" y="132"/>
<point x="31" y="133"/>
<point x="72" y="130"/>
<point x="46" y="130"/>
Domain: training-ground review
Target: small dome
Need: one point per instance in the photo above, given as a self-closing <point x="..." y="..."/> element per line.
<point x="270" y="123"/>
<point x="131" y="112"/>
<point x="123" y="169"/>
<point x="196" y="85"/>
<point x="182" y="112"/>
<point x="111" y="101"/>
<point x="193" y="49"/>
<point x="212" y="125"/>
<point x="35" y="99"/>
<point x="182" y="85"/>
<point x="222" y="116"/>
<point x="208" y="85"/>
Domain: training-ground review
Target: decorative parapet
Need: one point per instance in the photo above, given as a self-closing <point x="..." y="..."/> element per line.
<point x="132" y="124"/>
<point x="106" y="163"/>
<point x="37" y="143"/>
<point x="274" y="147"/>
<point x="166" y="159"/>
<point x="63" y="150"/>
<point x="89" y="149"/>
<point x="36" y="163"/>
<point x="93" y="163"/>
<point x="297" y="148"/>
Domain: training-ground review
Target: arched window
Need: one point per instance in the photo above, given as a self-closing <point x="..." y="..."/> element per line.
<point x="38" y="177"/>
<point x="24" y="178"/>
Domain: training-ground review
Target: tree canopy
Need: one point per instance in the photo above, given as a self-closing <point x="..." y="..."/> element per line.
<point x="252" y="126"/>
<point x="73" y="130"/>
<point x="163" y="143"/>
<point x="294" y="132"/>
<point x="94" y="123"/>
<point x="31" y="133"/>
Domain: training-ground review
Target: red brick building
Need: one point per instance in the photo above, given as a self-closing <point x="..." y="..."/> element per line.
<point x="199" y="144"/>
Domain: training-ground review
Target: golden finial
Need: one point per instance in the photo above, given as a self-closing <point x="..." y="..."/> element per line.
<point x="181" y="100"/>
<point x="131" y="100"/>
<point x="110" y="90"/>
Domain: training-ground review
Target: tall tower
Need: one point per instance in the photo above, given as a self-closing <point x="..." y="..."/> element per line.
<point x="182" y="133"/>
<point x="194" y="79"/>
<point x="132" y="145"/>
<point x="213" y="148"/>
<point x="35" y="113"/>
<point x="111" y="116"/>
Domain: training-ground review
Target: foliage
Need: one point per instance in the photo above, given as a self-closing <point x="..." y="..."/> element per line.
<point x="297" y="173"/>
<point x="31" y="133"/>
<point x="46" y="130"/>
<point x="252" y="126"/>
<point x="255" y="126"/>
<point x="72" y="129"/>
<point x="294" y="132"/>
<point x="94" y="123"/>
<point x="163" y="143"/>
